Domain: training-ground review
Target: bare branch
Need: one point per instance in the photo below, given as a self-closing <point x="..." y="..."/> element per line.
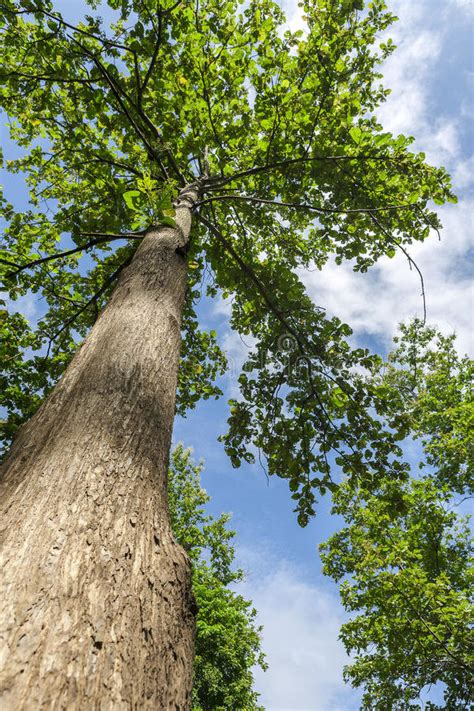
<point x="154" y="57"/>
<point x="411" y="261"/>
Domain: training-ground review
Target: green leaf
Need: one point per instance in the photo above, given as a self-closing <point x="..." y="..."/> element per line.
<point x="356" y="134"/>
<point x="128" y="197"/>
<point x="168" y="221"/>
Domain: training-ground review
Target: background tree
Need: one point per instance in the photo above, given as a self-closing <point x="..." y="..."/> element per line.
<point x="405" y="553"/>
<point x="219" y="143"/>
<point x="227" y="638"/>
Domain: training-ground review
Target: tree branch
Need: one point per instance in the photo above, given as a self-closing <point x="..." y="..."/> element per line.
<point x="304" y="206"/>
<point x="207" y="99"/>
<point x="103" y="40"/>
<point x="118" y="91"/>
<point x="430" y="630"/>
<point x="46" y="77"/>
<point x="287" y="163"/>
<point x="280" y="316"/>
<point x="100" y="237"/>
<point x="90" y="301"/>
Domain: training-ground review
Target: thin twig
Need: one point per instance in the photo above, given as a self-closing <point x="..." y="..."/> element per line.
<point x="411" y="261"/>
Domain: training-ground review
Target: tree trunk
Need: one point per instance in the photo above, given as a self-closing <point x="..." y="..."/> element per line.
<point x="97" y="608"/>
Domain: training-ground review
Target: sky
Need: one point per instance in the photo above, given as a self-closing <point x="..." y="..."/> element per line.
<point x="431" y="75"/>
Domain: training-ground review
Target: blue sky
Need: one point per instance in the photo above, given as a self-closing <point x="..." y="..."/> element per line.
<point x="431" y="76"/>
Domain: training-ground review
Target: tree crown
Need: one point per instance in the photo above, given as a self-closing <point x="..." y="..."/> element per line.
<point x="404" y="555"/>
<point x="278" y="131"/>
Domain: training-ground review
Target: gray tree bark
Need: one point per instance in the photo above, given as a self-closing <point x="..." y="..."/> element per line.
<point x="96" y="602"/>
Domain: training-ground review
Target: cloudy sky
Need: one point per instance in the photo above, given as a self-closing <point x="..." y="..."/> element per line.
<point x="431" y="76"/>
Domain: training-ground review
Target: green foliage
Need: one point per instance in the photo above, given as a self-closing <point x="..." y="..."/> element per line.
<point x="405" y="553"/>
<point x="227" y="638"/>
<point x="23" y="380"/>
<point x="425" y="390"/>
<point x="278" y="130"/>
<point x="151" y="205"/>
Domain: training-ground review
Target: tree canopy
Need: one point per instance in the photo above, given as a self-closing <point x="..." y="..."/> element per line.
<point x="278" y="131"/>
<point x="405" y="553"/>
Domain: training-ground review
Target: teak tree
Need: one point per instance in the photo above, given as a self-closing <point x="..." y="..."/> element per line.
<point x="211" y="141"/>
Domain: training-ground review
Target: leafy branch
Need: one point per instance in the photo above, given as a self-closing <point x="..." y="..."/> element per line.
<point x="93" y="300"/>
<point x="304" y="206"/>
<point x="99" y="238"/>
<point x="217" y="181"/>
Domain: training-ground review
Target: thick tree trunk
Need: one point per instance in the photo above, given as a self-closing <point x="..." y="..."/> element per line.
<point x="97" y="609"/>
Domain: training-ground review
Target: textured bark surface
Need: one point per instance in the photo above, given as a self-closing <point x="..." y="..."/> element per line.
<point x="96" y="603"/>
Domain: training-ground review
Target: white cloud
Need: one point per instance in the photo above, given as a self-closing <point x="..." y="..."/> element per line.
<point x="467" y="106"/>
<point x="375" y="302"/>
<point x="463" y="173"/>
<point x="410" y="73"/>
<point x="407" y="71"/>
<point x="444" y="144"/>
<point x="27" y="305"/>
<point x="301" y="623"/>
